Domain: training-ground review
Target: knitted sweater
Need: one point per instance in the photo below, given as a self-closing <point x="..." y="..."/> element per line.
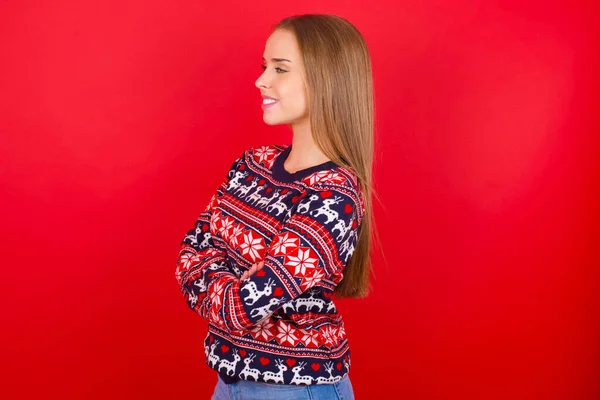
<point x="280" y="325"/>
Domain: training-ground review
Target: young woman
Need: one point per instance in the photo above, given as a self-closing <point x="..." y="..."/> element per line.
<point x="289" y="228"/>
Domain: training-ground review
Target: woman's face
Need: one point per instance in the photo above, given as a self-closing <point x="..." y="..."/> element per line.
<point x="283" y="80"/>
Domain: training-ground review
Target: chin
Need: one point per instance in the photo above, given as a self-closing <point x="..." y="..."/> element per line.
<point x="270" y="121"/>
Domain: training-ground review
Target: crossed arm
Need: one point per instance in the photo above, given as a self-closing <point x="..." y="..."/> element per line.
<point x="313" y="244"/>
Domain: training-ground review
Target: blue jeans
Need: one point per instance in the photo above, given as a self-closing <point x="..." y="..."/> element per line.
<point x="250" y="390"/>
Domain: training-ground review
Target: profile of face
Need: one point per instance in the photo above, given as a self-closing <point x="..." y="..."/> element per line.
<point x="282" y="80"/>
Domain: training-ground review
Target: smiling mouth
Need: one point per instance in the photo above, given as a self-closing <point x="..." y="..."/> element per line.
<point x="268" y="103"/>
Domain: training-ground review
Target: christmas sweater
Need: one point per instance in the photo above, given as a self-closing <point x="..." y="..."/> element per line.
<point x="281" y="324"/>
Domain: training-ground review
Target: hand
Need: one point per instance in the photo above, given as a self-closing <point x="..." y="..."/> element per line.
<point x="255" y="267"/>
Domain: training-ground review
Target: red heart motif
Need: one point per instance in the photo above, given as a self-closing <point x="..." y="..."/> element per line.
<point x="264" y="360"/>
<point x="242" y="167"/>
<point x="224" y="348"/>
<point x="261" y="182"/>
<point x="339" y="366"/>
<point x="294" y="199"/>
<point x="284" y="191"/>
<point x="326" y="194"/>
<point x="243" y="353"/>
<point x="315" y="366"/>
<point x="249" y="178"/>
<point x="260" y="272"/>
<point x="269" y="190"/>
<point x="210" y="339"/>
<point x="278" y="291"/>
<point x="353" y="224"/>
<point x="348" y="209"/>
<point x="290" y="362"/>
<point x="205" y="228"/>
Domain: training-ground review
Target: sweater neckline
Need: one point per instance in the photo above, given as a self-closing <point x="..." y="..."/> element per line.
<point x="281" y="174"/>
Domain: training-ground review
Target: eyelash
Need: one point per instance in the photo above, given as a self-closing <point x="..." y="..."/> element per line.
<point x="277" y="68"/>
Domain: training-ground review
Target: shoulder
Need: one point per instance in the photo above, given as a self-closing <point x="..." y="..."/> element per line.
<point x="340" y="183"/>
<point x="344" y="189"/>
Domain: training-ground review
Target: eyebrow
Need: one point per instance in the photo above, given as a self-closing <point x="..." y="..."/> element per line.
<point x="278" y="60"/>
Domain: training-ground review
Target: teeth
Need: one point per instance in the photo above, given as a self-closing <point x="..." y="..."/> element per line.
<point x="269" y="101"/>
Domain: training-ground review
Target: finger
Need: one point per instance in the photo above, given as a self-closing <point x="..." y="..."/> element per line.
<point x="248" y="273"/>
<point x="255" y="267"/>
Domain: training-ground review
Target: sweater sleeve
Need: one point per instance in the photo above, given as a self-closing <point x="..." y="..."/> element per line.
<point x="199" y="258"/>
<point x="314" y="244"/>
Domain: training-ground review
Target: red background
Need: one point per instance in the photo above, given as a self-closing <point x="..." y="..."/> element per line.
<point x="120" y="119"/>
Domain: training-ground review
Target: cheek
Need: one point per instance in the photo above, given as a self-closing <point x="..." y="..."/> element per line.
<point x="298" y="97"/>
<point x="293" y="97"/>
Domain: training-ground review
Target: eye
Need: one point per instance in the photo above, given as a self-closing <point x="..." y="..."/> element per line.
<point x="279" y="70"/>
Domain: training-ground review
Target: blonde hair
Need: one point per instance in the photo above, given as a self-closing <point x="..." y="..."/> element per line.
<point x="339" y="86"/>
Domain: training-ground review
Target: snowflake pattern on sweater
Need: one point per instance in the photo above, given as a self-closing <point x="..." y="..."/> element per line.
<point x="280" y="325"/>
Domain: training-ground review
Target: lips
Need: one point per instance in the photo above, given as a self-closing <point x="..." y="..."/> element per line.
<point x="270" y="103"/>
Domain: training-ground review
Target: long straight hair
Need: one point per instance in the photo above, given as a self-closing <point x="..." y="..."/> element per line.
<point x="339" y="88"/>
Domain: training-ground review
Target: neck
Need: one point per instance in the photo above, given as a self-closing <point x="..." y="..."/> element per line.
<point x="305" y="152"/>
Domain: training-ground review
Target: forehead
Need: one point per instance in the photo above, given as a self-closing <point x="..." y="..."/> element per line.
<point x="282" y="44"/>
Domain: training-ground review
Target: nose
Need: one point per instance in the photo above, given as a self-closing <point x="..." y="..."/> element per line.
<point x="260" y="82"/>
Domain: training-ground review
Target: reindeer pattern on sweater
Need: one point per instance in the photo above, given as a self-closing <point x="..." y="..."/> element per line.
<point x="281" y="324"/>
